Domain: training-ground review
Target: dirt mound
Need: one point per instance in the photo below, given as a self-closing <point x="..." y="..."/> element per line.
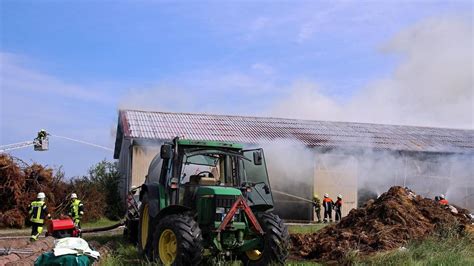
<point x="389" y="222"/>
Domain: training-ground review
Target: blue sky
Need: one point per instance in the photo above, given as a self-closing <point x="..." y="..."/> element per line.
<point x="67" y="66"/>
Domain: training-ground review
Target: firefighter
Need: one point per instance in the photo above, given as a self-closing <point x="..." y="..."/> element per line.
<point x="42" y="134"/>
<point x="38" y="213"/>
<point x="442" y="200"/>
<point x="338" y="208"/>
<point x="327" y="205"/>
<point x="317" y="207"/>
<point x="76" y="210"/>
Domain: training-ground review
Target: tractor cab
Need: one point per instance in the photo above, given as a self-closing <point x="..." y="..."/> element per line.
<point x="230" y="168"/>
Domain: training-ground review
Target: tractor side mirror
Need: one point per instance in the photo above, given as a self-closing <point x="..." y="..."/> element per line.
<point x="257" y="157"/>
<point x="166" y="151"/>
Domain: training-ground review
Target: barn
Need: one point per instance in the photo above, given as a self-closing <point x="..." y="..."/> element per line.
<point x="304" y="157"/>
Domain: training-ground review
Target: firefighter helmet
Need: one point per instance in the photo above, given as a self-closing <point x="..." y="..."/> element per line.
<point x="73" y="196"/>
<point x="41" y="195"/>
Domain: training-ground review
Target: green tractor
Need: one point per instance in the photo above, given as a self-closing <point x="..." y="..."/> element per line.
<point x="205" y="201"/>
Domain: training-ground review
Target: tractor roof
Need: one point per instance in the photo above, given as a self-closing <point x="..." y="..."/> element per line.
<point x="206" y="143"/>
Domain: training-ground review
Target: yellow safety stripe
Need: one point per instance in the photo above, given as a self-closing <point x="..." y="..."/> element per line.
<point x="37" y="207"/>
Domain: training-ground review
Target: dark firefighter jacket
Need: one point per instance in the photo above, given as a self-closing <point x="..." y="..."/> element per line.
<point x="338" y="205"/>
<point x="327" y="204"/>
<point x="38" y="211"/>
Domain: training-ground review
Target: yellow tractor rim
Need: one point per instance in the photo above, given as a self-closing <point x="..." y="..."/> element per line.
<point x="254" y="254"/>
<point x="144" y="232"/>
<point x="168" y="247"/>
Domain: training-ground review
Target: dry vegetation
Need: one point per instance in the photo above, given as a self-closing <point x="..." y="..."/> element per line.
<point x="20" y="183"/>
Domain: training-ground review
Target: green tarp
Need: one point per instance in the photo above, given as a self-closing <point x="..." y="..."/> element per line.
<point x="48" y="258"/>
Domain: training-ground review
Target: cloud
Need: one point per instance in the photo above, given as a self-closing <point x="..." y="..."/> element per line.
<point x="431" y="86"/>
<point x="206" y="91"/>
<point x="263" y="68"/>
<point x="15" y="77"/>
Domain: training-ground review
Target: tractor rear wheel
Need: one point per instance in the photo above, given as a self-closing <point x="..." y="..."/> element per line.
<point x="177" y="241"/>
<point x="276" y="242"/>
<point x="144" y="230"/>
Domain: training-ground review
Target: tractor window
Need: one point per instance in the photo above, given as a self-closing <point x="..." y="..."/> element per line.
<point x="201" y="159"/>
<point x="200" y="168"/>
<point x="257" y="175"/>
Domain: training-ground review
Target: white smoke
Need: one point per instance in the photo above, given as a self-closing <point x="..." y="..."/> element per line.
<point x="295" y="169"/>
<point x="431" y="86"/>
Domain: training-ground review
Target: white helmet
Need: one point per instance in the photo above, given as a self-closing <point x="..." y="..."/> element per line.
<point x="73" y="196"/>
<point x="41" y="195"/>
<point x="339" y="196"/>
<point x="442" y="196"/>
<point x="326" y="195"/>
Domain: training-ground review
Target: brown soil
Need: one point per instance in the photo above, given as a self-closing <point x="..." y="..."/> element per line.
<point x="389" y="222"/>
<point x="37" y="248"/>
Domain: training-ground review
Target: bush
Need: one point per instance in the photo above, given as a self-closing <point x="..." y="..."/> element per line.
<point x="106" y="175"/>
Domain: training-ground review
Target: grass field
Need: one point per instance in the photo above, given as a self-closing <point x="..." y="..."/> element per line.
<point x="450" y="250"/>
<point x="432" y="251"/>
<point x="102" y="222"/>
<point x="305" y="229"/>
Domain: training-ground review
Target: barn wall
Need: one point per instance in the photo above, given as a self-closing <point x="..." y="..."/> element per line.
<point x="124" y="168"/>
<point x="335" y="178"/>
<point x="142" y="156"/>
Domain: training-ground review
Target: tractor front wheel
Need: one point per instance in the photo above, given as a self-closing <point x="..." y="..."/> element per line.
<point x="275" y="242"/>
<point x="178" y="241"/>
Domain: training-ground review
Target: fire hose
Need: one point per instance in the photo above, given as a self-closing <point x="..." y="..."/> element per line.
<point x="293" y="196"/>
<point x="100" y="229"/>
<point x="8" y="251"/>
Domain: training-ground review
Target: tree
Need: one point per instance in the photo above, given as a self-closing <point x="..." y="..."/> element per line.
<point x="106" y="175"/>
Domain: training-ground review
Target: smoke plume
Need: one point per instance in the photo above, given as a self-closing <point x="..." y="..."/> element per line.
<point x="431" y="86"/>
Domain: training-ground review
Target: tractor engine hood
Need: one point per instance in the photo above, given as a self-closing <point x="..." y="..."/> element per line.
<point x="216" y="190"/>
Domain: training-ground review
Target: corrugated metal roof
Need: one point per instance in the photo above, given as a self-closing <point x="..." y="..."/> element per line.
<point x="245" y="129"/>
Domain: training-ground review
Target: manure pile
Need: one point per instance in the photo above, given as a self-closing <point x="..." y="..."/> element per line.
<point x="389" y="222"/>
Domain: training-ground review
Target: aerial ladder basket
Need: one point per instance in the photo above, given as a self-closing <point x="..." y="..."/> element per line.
<point x="41" y="144"/>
